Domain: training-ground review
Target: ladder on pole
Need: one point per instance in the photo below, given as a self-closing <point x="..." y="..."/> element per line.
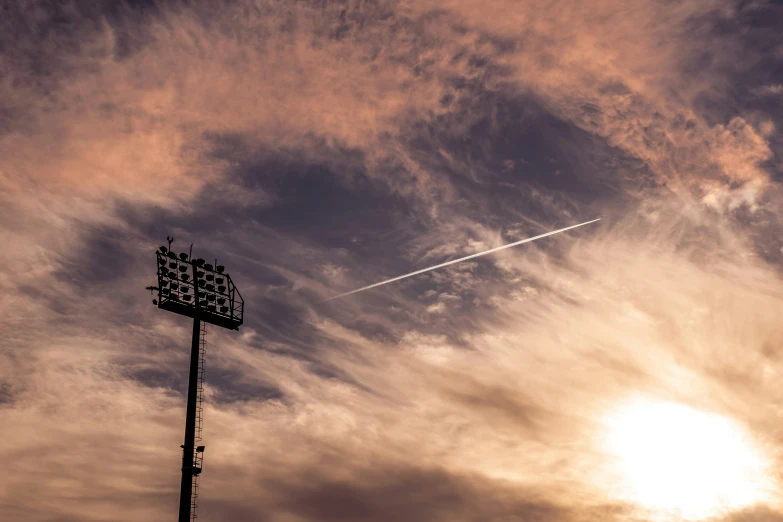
<point x="198" y="453"/>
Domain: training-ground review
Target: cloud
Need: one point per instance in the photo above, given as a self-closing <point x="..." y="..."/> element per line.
<point x="771" y="90"/>
<point x="131" y="122"/>
<point x="330" y="145"/>
<point x="521" y="400"/>
<point x="428" y="494"/>
<point x="597" y="66"/>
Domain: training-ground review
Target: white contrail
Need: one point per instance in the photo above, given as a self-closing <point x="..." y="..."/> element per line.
<point x="460" y="259"/>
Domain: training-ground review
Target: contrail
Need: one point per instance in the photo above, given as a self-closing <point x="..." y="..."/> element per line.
<point x="460" y="259"/>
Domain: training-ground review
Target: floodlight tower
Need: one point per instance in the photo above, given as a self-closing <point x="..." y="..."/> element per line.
<point x="204" y="292"/>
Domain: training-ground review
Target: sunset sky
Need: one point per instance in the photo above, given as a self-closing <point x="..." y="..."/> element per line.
<point x="627" y="370"/>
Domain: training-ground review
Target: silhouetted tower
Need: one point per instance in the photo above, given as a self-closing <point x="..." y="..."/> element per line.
<point x="196" y="289"/>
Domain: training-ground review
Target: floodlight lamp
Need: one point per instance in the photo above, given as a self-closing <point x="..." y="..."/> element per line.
<point x="154" y="301"/>
<point x="206" y="293"/>
<point x="200" y="449"/>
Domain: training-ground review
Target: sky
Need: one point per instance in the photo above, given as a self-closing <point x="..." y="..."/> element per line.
<point x="627" y="370"/>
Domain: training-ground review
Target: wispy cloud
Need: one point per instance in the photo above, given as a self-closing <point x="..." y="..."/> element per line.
<point x="325" y="145"/>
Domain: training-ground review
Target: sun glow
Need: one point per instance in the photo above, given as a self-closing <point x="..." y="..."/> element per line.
<point x="682" y="463"/>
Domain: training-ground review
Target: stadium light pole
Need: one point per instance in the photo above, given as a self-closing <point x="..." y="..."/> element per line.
<point x="214" y="300"/>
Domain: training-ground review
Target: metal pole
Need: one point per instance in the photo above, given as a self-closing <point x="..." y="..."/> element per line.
<point x="188" y="447"/>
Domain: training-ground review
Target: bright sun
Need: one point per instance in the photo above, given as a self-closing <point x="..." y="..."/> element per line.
<point x="679" y="462"/>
